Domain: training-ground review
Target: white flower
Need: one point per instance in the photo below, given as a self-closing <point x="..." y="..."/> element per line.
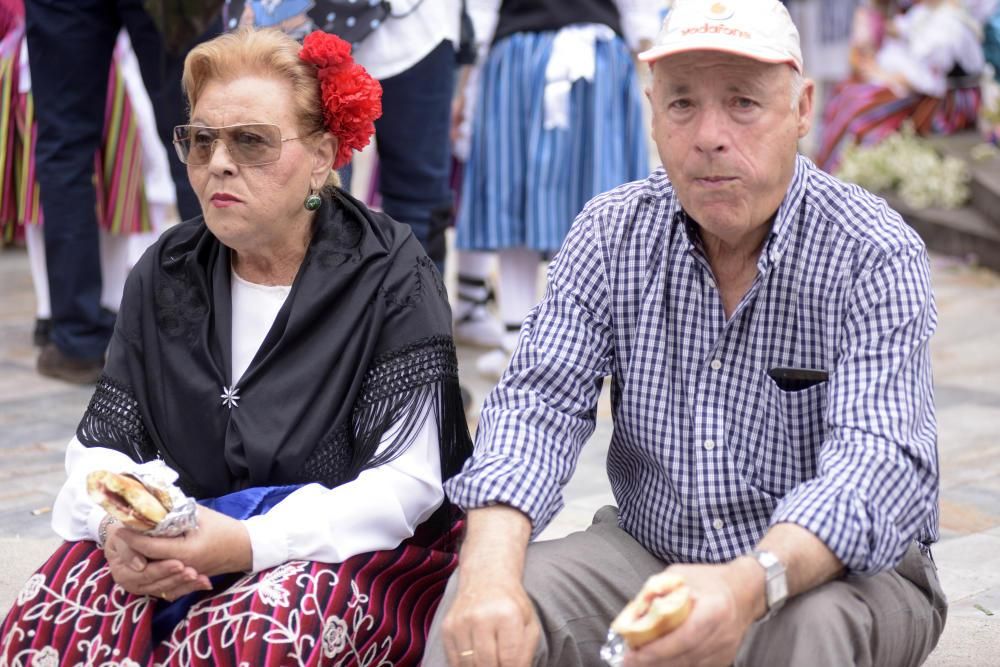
<point x="910" y="166"/>
<point x="128" y="662"/>
<point x="272" y="593"/>
<point x="47" y="657"/>
<point x="230" y="397"/>
<point x="31" y="588"/>
<point x="334" y="636"/>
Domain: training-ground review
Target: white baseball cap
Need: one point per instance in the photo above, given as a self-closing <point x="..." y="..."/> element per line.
<point x="757" y="29"/>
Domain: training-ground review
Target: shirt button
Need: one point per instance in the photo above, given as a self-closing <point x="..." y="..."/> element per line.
<point x="718" y="524"/>
<point x="716" y="364"/>
<point x="710" y="445"/>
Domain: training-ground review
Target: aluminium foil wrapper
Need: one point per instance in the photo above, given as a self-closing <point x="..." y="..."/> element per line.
<point x="183" y="517"/>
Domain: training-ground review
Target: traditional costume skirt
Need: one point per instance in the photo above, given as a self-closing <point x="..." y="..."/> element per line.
<point x="372" y="609"/>
<point x="865" y="114"/>
<point x="524" y="184"/>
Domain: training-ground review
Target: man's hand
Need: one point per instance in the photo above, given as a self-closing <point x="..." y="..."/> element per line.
<point x="492" y="622"/>
<point x="218" y="545"/>
<point x="166" y="579"/>
<point x="726" y="599"/>
<point x="492" y="617"/>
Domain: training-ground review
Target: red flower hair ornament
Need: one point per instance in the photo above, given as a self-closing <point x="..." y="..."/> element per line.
<point x="351" y="98"/>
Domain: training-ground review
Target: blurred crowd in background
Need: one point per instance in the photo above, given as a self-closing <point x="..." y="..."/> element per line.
<point x="501" y="119"/>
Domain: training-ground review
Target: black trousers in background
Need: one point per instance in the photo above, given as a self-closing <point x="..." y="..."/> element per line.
<point x="414" y="148"/>
<point x="70" y="43"/>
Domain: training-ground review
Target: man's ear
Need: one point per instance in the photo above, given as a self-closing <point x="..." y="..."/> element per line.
<point x="805" y="107"/>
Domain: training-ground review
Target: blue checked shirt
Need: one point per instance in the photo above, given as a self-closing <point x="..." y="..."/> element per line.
<point x="708" y="451"/>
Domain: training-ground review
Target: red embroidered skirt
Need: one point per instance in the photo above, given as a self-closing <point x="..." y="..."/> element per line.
<point x="372" y="609"/>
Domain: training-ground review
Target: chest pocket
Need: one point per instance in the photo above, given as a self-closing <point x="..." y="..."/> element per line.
<point x="778" y="447"/>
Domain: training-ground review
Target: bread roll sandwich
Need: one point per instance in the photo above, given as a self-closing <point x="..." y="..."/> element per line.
<point x="660" y="607"/>
<point x="124" y="497"/>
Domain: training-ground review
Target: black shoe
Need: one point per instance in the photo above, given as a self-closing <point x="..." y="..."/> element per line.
<point x="54" y="364"/>
<point x="43" y="327"/>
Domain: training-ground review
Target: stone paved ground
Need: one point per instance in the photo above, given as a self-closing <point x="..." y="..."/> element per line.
<point x="37" y="417"/>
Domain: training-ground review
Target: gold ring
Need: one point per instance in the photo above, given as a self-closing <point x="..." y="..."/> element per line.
<point x="467" y="654"/>
<point x="163" y="595"/>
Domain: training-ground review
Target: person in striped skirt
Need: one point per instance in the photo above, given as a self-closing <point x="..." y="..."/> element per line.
<point x="558" y="120"/>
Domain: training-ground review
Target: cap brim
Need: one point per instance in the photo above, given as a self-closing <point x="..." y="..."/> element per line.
<point x="657" y="52"/>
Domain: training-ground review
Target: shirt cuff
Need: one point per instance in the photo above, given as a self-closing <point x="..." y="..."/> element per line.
<point x="837" y="516"/>
<point x="502" y="480"/>
<point x="268" y="543"/>
<point x="94" y="518"/>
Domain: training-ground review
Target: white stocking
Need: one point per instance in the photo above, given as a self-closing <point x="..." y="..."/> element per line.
<point x="34" y="239"/>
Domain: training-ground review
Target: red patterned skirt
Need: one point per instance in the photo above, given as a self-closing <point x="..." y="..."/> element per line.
<point x="372" y="609"/>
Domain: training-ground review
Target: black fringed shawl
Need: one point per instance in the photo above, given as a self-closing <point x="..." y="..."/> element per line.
<point x="362" y="341"/>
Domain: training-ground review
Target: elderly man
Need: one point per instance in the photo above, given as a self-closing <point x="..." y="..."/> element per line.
<point x="766" y="331"/>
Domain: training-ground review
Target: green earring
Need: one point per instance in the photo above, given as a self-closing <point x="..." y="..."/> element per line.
<point x="313" y="202"/>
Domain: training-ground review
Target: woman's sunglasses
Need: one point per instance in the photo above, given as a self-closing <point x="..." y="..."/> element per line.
<point x="249" y="145"/>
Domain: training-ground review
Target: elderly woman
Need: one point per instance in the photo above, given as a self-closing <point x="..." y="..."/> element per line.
<point x="288" y="354"/>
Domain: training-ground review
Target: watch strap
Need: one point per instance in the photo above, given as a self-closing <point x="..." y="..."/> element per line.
<point x="775" y="580"/>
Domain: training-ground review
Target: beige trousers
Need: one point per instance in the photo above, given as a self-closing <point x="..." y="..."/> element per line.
<point x="580" y="582"/>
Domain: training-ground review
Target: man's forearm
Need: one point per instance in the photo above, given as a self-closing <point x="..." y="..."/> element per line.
<point x="808" y="562"/>
<point x="496" y="540"/>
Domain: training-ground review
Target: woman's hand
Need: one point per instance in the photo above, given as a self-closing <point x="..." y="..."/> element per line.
<point x="167" y="579"/>
<point x="247" y="17"/>
<point x="458" y="102"/>
<point x="218" y="545"/>
<point x="457" y="115"/>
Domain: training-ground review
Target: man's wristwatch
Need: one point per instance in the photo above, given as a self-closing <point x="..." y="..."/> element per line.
<point x="775" y="583"/>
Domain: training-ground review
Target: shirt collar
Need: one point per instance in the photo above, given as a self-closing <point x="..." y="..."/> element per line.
<point x="788" y="214"/>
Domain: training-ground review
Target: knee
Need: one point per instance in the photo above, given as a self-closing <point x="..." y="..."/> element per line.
<point x="829" y="626"/>
<point x="545" y="586"/>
